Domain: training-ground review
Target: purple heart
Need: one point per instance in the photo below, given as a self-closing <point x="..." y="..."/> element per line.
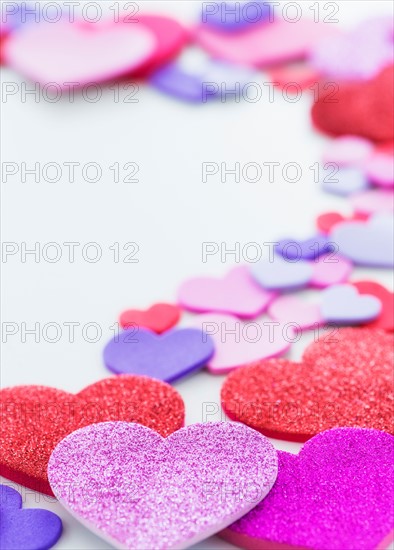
<point x="342" y="304"/>
<point x="139" y="490"/>
<point x="33" y="529"/>
<point x="167" y="356"/>
<point x="336" y="494"/>
<point x="280" y="274"/>
<point x="345" y="182"/>
<point x="310" y="249"/>
<point x="234" y="16"/>
<point x="369" y="243"/>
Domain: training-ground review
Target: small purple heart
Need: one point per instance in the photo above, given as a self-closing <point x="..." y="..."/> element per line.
<point x="336" y="494"/>
<point x="345" y="182"/>
<point x="342" y="304"/>
<point x="280" y="274"/>
<point x="310" y="249"/>
<point x="29" y="529"/>
<point x="168" y="356"/>
<point x="234" y="16"/>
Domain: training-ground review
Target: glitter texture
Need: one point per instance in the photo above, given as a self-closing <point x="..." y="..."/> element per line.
<point x="138" y="490"/>
<point x="336" y="494"/>
<point x="346" y="379"/>
<point x="33" y="419"/>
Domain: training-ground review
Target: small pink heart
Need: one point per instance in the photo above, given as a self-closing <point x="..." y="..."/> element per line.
<point x="290" y="309"/>
<point x="138" y="490"/>
<point x="236" y="293"/>
<point x="237" y="342"/>
<point x="330" y="269"/>
<point x="64" y="53"/>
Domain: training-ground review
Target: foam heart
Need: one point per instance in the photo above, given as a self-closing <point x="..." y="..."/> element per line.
<point x="261" y="45"/>
<point x="326" y="221"/>
<point x="379" y="168"/>
<point x="233" y="16"/>
<point x="158" y="318"/>
<point x="343" y="305"/>
<point x="360" y="108"/>
<point x="330" y="269"/>
<point x="78" y="53"/>
<point x="281" y="274"/>
<point x="238" y="343"/>
<point x="347" y="150"/>
<point x="33" y="529"/>
<point x="347" y="180"/>
<point x="335" y="494"/>
<point x="345" y="379"/>
<point x="367" y="243"/>
<point x="290" y="309"/>
<point x="310" y="249"/>
<point x="138" y="490"/>
<point x="386" y="318"/>
<point x="35" y="418"/>
<point x="166" y="357"/>
<point x="236" y="293"/>
<point x="373" y="202"/>
<point x="295" y="76"/>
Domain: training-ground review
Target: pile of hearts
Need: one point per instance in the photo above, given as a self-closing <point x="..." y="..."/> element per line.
<point x="117" y="455"/>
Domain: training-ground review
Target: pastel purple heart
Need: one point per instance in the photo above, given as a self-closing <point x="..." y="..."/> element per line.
<point x="343" y="304"/>
<point x="347" y="150"/>
<point x="234" y="16"/>
<point x="336" y="493"/>
<point x="346" y="181"/>
<point x="291" y="309"/>
<point x="281" y="274"/>
<point x="30" y="529"/>
<point x="236" y="293"/>
<point x="310" y="249"/>
<point x="138" y="490"/>
<point x="369" y="243"/>
<point x="168" y="356"/>
<point x="330" y="269"/>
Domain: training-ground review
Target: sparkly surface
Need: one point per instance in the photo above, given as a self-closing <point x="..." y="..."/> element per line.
<point x="33" y="419"/>
<point x="336" y="494"/>
<point x="140" y="491"/>
<point x="345" y="379"/>
<point x="28" y="529"/>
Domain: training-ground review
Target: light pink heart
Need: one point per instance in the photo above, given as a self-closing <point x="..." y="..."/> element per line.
<point x="290" y="309"/>
<point x="373" y="202"/>
<point x="236" y="293"/>
<point x="138" y="490"/>
<point x="238" y="342"/>
<point x="330" y="269"/>
<point x="62" y="52"/>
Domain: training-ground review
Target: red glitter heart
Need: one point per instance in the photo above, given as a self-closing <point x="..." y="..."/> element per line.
<point x="33" y="419"/>
<point x="358" y="108"/>
<point x="386" y="317"/>
<point x="345" y="379"/>
<point x="159" y="317"/>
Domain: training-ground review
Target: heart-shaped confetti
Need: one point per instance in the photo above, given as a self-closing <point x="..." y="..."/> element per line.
<point x="238" y="343"/>
<point x="78" y="52"/>
<point x="310" y="249"/>
<point x="346" y="181"/>
<point x="328" y="220"/>
<point x="342" y="304"/>
<point x="158" y="318"/>
<point x="138" y="490"/>
<point x="237" y="293"/>
<point x="386" y="318"/>
<point x="345" y="379"/>
<point x="373" y="202"/>
<point x="347" y="151"/>
<point x="335" y="494"/>
<point x="368" y="243"/>
<point x="330" y="269"/>
<point x="282" y="274"/>
<point x="379" y="168"/>
<point x="295" y="76"/>
<point x="290" y="309"/>
<point x="30" y="529"/>
<point x="35" y="418"/>
<point x="234" y="16"/>
<point x="167" y="356"/>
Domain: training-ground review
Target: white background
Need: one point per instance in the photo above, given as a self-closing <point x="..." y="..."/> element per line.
<point x="169" y="213"/>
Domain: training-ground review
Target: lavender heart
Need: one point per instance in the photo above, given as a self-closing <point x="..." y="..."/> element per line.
<point x="166" y="357"/>
<point x="345" y="182"/>
<point x="342" y="304"/>
<point x="138" y="490"/>
<point x="310" y="249"/>
<point x="32" y="529"/>
<point x="280" y="274"/>
<point x="336" y="494"/>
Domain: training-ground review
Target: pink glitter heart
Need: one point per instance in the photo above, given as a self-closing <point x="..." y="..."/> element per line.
<point x="336" y="494"/>
<point x="138" y="490"/>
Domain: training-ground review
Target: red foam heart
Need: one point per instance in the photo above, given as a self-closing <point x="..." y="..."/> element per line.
<point x="33" y="419"/>
<point x="345" y="379"/>
<point x="159" y="317"/>
<point x="385" y="320"/>
<point x="358" y="108"/>
<point x="326" y="222"/>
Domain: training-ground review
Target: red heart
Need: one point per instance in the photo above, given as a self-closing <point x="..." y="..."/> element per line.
<point x="386" y="317"/>
<point x="346" y="379"/>
<point x="326" y="222"/>
<point x="33" y="419"/>
<point x="159" y="317"/>
<point x="358" y="108"/>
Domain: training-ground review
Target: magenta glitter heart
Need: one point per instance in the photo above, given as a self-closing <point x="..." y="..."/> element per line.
<point x="138" y="490"/>
<point x="336" y="494"/>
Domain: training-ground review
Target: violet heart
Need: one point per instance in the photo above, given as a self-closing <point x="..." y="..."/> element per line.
<point x="234" y="16"/>
<point x="138" y="490"/>
<point x="342" y="304"/>
<point x="310" y="249"/>
<point x="237" y="293"/>
<point x="166" y="357"/>
<point x="27" y="529"/>
<point x="345" y="182"/>
<point x="369" y="243"/>
<point x="336" y="493"/>
<point x="279" y="274"/>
